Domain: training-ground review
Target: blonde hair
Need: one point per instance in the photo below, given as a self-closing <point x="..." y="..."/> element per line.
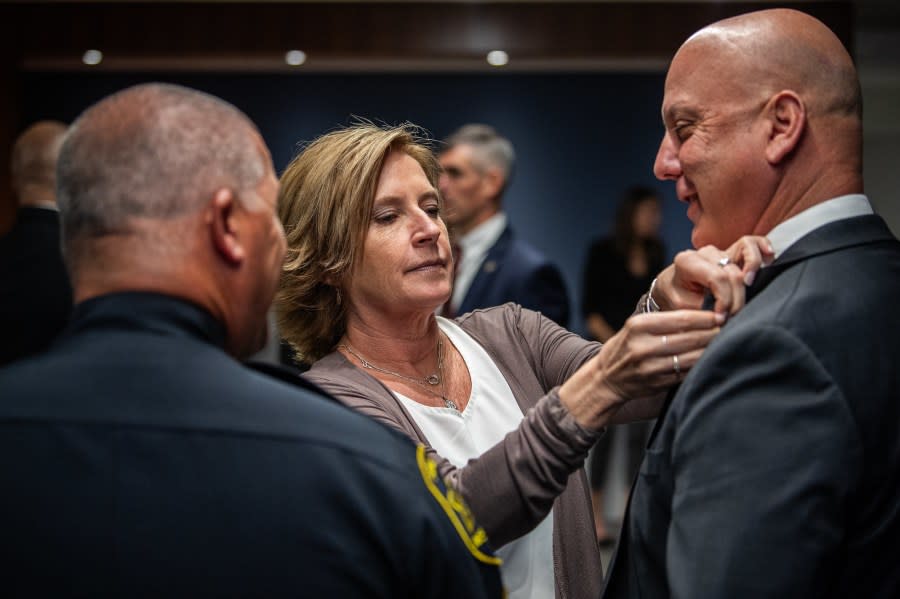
<point x="325" y="205"/>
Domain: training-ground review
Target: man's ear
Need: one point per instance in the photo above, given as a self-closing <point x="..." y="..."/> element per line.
<point x="787" y="117"/>
<point x="493" y="181"/>
<point x="221" y="216"/>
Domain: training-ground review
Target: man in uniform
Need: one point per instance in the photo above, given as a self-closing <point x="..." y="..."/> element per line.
<point x="139" y="457"/>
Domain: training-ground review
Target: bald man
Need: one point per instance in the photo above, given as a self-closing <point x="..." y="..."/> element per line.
<point x="139" y="457"/>
<point x="35" y="294"/>
<point x="775" y="469"/>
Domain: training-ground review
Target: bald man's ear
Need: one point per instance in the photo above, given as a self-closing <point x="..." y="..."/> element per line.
<point x="222" y="218"/>
<point x="787" y="116"/>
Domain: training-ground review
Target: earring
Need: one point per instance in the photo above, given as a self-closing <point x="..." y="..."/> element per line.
<point x="337" y="291"/>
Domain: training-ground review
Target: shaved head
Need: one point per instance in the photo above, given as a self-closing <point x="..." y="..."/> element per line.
<point x="763" y="117"/>
<point x="169" y="190"/>
<point x="784" y="49"/>
<point x="153" y="151"/>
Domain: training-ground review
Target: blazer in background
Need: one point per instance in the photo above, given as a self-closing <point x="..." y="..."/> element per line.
<point x="515" y="271"/>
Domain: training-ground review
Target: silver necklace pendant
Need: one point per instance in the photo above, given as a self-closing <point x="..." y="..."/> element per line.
<point x="432" y="380"/>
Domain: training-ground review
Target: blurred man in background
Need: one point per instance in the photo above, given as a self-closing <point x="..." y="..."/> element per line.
<point x="493" y="265"/>
<point x="35" y="295"/>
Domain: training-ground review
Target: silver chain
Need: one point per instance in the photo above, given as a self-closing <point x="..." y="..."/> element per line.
<point x="426" y="383"/>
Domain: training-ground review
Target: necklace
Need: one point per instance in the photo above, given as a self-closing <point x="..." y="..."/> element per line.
<point x="432" y="380"/>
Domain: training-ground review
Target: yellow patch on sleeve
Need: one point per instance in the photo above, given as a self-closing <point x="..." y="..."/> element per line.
<point x="456" y="509"/>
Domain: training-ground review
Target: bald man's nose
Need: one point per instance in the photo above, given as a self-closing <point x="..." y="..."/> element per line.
<point x="666" y="165"/>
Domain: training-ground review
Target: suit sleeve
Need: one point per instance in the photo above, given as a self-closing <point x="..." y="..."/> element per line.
<point x="763" y="458"/>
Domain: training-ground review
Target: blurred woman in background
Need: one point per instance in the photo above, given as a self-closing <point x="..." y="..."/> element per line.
<point x="618" y="270"/>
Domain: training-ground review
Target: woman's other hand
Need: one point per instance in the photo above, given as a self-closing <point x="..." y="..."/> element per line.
<point x="683" y="284"/>
<point x="651" y="353"/>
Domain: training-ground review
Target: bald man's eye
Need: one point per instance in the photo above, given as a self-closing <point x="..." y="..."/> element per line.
<point x="682" y="130"/>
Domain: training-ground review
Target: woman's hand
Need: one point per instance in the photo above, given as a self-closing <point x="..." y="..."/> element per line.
<point x="683" y="284"/>
<point x="651" y="353"/>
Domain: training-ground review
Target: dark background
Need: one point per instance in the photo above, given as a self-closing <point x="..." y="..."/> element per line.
<point x="579" y="99"/>
<point x="580" y="138"/>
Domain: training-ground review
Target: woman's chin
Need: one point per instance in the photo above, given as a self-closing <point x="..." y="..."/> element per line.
<point x="425" y="300"/>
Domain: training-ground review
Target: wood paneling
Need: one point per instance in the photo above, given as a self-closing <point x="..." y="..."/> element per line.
<point x="374" y="31"/>
<point x="368" y="36"/>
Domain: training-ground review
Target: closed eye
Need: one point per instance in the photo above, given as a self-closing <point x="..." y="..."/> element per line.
<point x="385" y="218"/>
<point x="430" y="204"/>
<point x="683" y="130"/>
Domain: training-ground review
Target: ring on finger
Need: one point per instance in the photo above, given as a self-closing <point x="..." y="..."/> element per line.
<point x="675" y="364"/>
<point x="724" y="261"/>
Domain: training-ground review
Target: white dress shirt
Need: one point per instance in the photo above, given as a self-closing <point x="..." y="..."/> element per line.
<point x="474" y="247"/>
<point x="790" y="231"/>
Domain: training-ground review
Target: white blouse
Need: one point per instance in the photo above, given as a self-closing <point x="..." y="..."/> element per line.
<point x="491" y="413"/>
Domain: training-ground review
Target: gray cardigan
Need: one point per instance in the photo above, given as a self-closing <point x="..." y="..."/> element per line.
<point x="511" y="487"/>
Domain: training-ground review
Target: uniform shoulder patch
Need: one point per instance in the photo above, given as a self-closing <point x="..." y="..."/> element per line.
<point x="473" y="536"/>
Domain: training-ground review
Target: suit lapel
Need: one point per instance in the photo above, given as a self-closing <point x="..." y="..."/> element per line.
<point x="478" y="294"/>
<point x="834" y="236"/>
<point x="837" y="235"/>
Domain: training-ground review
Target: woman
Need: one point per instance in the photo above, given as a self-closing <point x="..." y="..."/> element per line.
<point x="507" y="402"/>
<point x="618" y="270"/>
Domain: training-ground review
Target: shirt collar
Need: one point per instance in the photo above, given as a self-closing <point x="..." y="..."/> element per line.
<point x="480" y="239"/>
<point x="790" y="231"/>
<point x="474" y="247"/>
<point x="147" y="311"/>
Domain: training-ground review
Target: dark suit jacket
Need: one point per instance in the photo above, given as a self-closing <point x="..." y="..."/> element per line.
<point x="775" y="471"/>
<point x="137" y="458"/>
<point x="515" y="271"/>
<point x="35" y="295"/>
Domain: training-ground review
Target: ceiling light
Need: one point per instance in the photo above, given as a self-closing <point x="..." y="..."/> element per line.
<point x="92" y="57"/>
<point x="497" y="58"/>
<point x="295" y="57"/>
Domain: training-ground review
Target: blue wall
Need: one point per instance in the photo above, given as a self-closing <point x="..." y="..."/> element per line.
<point x="580" y="138"/>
